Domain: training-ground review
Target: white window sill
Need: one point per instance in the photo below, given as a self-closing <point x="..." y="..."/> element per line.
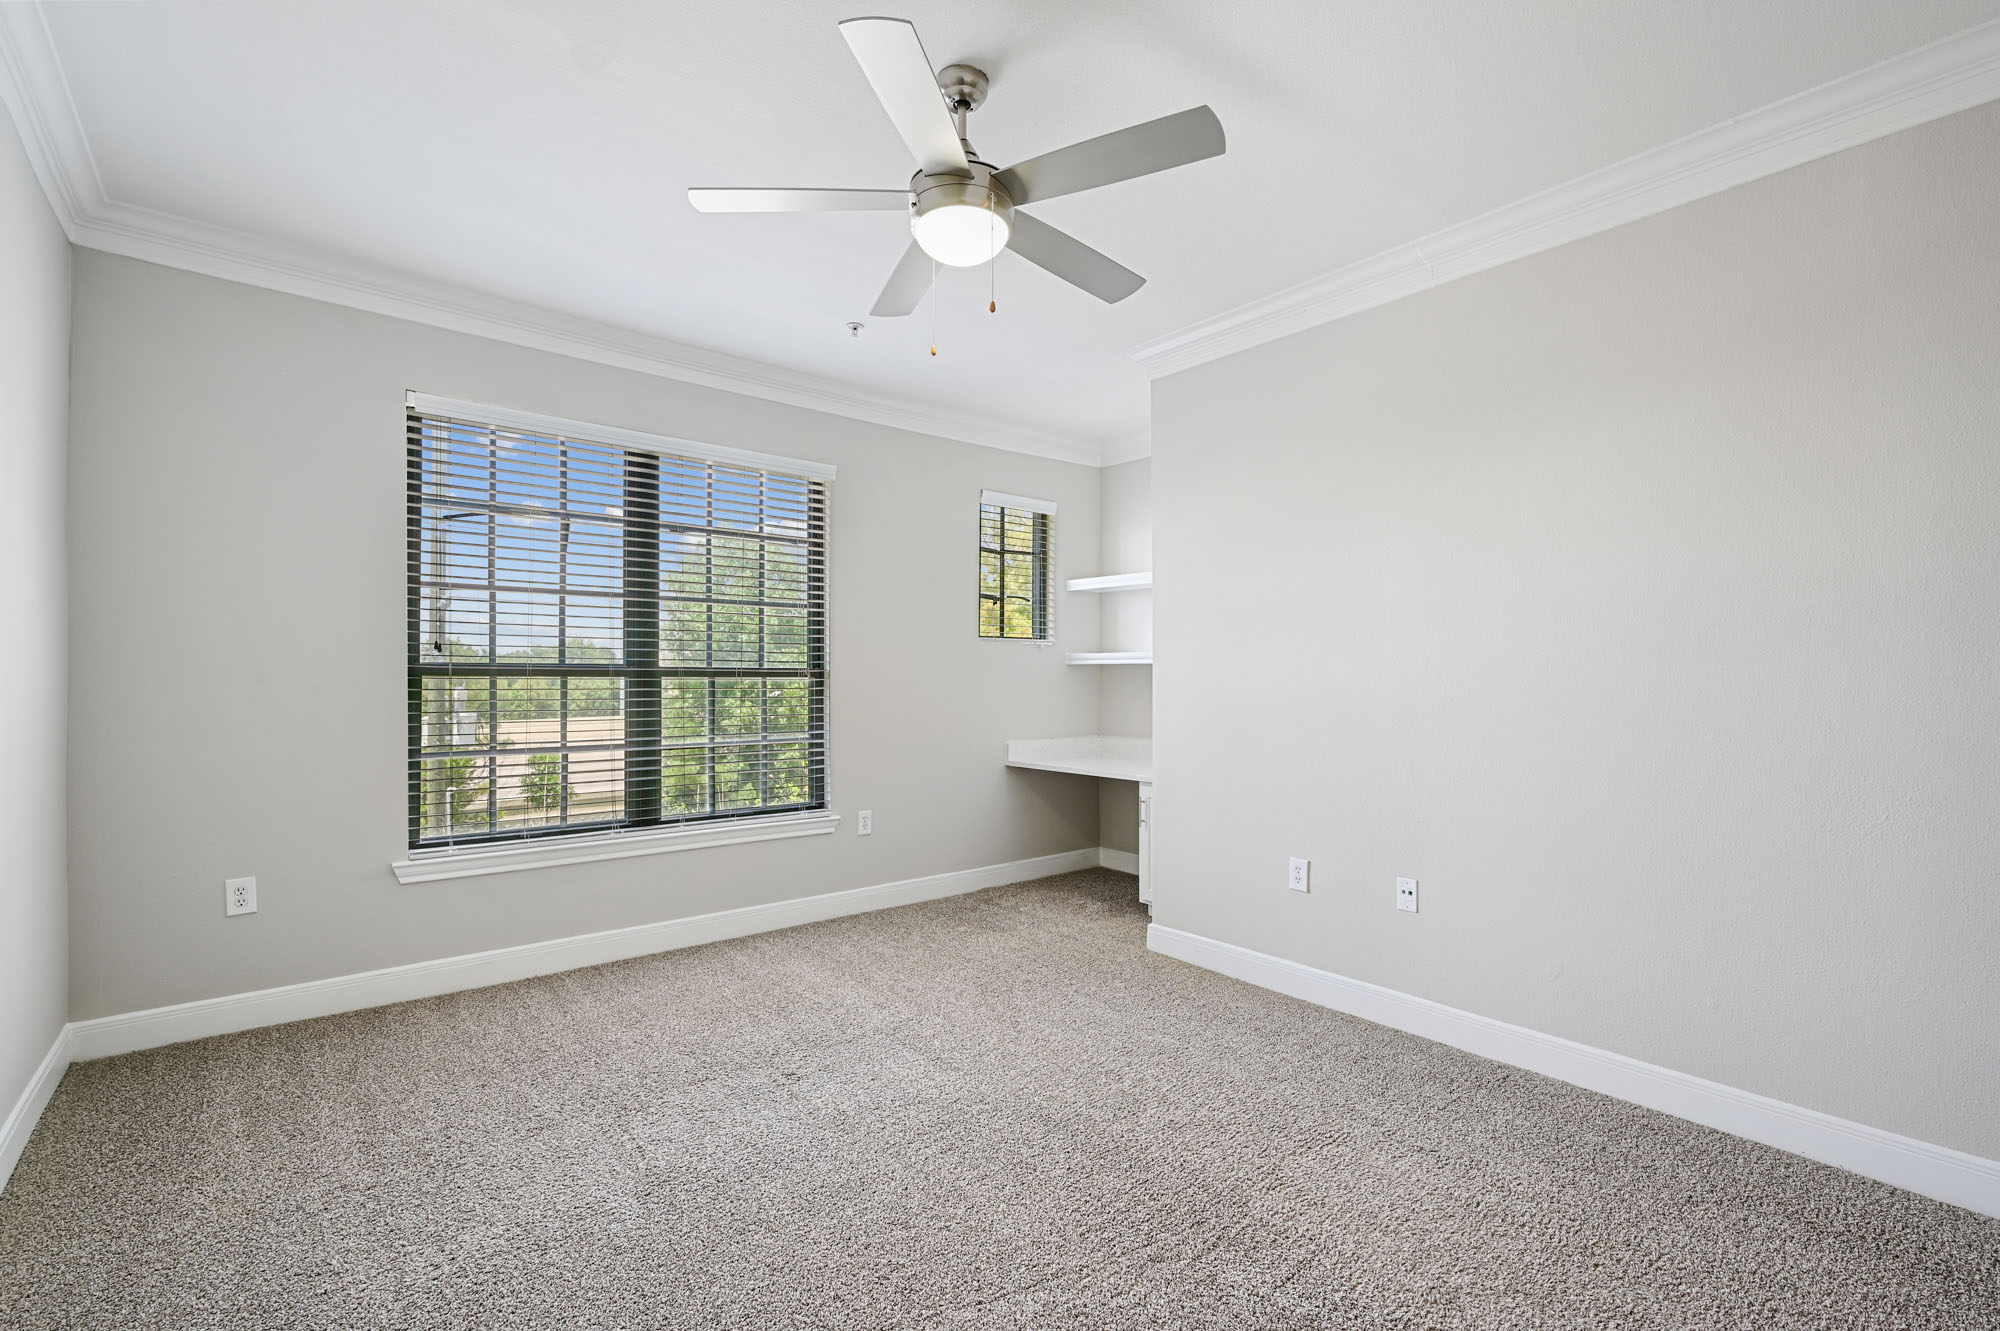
<point x="431" y="866"/>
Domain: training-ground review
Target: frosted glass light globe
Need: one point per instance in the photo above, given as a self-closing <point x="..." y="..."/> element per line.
<point x="960" y="235"/>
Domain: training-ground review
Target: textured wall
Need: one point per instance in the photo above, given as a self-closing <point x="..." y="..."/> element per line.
<point x="238" y="664"/>
<point x="1642" y="599"/>
<point x="34" y="403"/>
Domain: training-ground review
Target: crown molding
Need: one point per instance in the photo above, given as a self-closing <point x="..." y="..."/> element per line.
<point x="35" y="90"/>
<point x="1952" y="75"/>
<point x="36" y="93"/>
<point x="176" y="242"/>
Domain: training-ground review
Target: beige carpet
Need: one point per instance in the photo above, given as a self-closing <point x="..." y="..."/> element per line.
<point x="992" y="1111"/>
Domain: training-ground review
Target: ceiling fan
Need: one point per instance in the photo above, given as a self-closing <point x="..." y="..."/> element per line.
<point x="962" y="211"/>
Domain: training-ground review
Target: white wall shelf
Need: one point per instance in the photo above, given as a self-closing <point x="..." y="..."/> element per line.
<point x="1111" y="582"/>
<point x="1144" y="658"/>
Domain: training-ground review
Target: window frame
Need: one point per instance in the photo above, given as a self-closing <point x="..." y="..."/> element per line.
<point x="1041" y="600"/>
<point x="640" y="599"/>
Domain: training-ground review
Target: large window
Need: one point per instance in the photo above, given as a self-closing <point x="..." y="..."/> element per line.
<point x="607" y="636"/>
<point x="1014" y="565"/>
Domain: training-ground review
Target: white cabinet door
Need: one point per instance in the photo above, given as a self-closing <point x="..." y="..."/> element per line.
<point x="1146" y="842"/>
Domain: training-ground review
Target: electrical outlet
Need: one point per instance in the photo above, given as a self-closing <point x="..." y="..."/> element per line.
<point x="239" y="896"/>
<point x="1301" y="878"/>
<point x="1406" y="894"/>
<point x="864" y="823"/>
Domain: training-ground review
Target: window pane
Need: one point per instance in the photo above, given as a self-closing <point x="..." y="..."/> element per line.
<point x="683" y="709"/>
<point x="789" y="773"/>
<point x="737" y="568"/>
<point x="591" y="630"/>
<point x="593" y="557"/>
<point x="1020" y="526"/>
<point x="736" y="636"/>
<point x="684" y="564"/>
<point x="790" y="706"/>
<point x="455" y="625"/>
<point x="454" y="714"/>
<point x="784" y="572"/>
<point x="787" y="506"/>
<point x="739" y="706"/>
<point x="530" y="711"/>
<point x="1019" y="575"/>
<point x="526" y="626"/>
<point x="738" y="768"/>
<point x="989" y="617"/>
<point x="453" y="796"/>
<point x="1020" y="619"/>
<point x="527" y="471"/>
<point x="684" y="782"/>
<point x="738" y="498"/>
<point x="596" y="786"/>
<point x="534" y="788"/>
<point x="596" y="480"/>
<point x="786" y="641"/>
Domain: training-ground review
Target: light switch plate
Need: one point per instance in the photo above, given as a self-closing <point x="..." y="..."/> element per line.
<point x="1406" y="894"/>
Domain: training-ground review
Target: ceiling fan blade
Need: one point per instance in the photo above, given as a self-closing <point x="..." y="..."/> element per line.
<point x="901" y="74"/>
<point x="1072" y="260"/>
<point x="906" y="286"/>
<point x="1170" y="141"/>
<point x="799" y="200"/>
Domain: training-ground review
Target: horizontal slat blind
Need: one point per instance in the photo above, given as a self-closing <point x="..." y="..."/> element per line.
<point x="606" y="637"/>
<point x="1014" y="566"/>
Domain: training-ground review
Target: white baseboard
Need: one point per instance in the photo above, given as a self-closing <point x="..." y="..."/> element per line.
<point x="105" y="1036"/>
<point x="1124" y="861"/>
<point x="34" y="1098"/>
<point x="1935" y="1171"/>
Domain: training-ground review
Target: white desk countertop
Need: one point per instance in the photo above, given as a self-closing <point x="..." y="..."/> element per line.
<point x="1113" y="756"/>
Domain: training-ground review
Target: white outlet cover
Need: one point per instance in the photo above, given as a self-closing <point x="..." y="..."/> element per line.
<point x="1301" y="876"/>
<point x="1406" y="894"/>
<point x="239" y="896"/>
<point x="864" y="823"/>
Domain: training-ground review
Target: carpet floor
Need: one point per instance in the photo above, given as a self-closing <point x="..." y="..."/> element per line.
<point x="996" y="1110"/>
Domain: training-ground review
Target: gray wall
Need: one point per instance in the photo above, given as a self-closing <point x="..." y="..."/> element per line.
<point x="1124" y="693"/>
<point x="1642" y="599"/>
<point x="34" y="404"/>
<point x="238" y="649"/>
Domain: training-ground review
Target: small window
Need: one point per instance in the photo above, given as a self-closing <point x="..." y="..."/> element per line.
<point x="1014" y="564"/>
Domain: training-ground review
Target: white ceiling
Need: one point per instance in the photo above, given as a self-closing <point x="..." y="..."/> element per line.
<point x="538" y="150"/>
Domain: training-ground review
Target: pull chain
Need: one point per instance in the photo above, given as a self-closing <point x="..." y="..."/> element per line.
<point x="992" y="306"/>
<point x="933" y="307"/>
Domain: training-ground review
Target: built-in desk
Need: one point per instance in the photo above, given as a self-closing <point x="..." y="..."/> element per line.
<point x="1113" y="757"/>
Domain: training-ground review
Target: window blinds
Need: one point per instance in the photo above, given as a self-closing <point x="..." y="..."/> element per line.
<point x="604" y="636"/>
<point x="1014" y="565"/>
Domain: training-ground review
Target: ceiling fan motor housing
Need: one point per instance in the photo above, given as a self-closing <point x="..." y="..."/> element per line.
<point x="962" y="221"/>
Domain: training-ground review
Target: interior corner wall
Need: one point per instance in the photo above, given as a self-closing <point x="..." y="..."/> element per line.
<point x="1124" y="693"/>
<point x="238" y="655"/>
<point x="1642" y="600"/>
<point x="34" y="405"/>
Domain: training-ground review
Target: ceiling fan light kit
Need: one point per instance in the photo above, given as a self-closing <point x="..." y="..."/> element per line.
<point x="961" y="223"/>
<point x="962" y="211"/>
